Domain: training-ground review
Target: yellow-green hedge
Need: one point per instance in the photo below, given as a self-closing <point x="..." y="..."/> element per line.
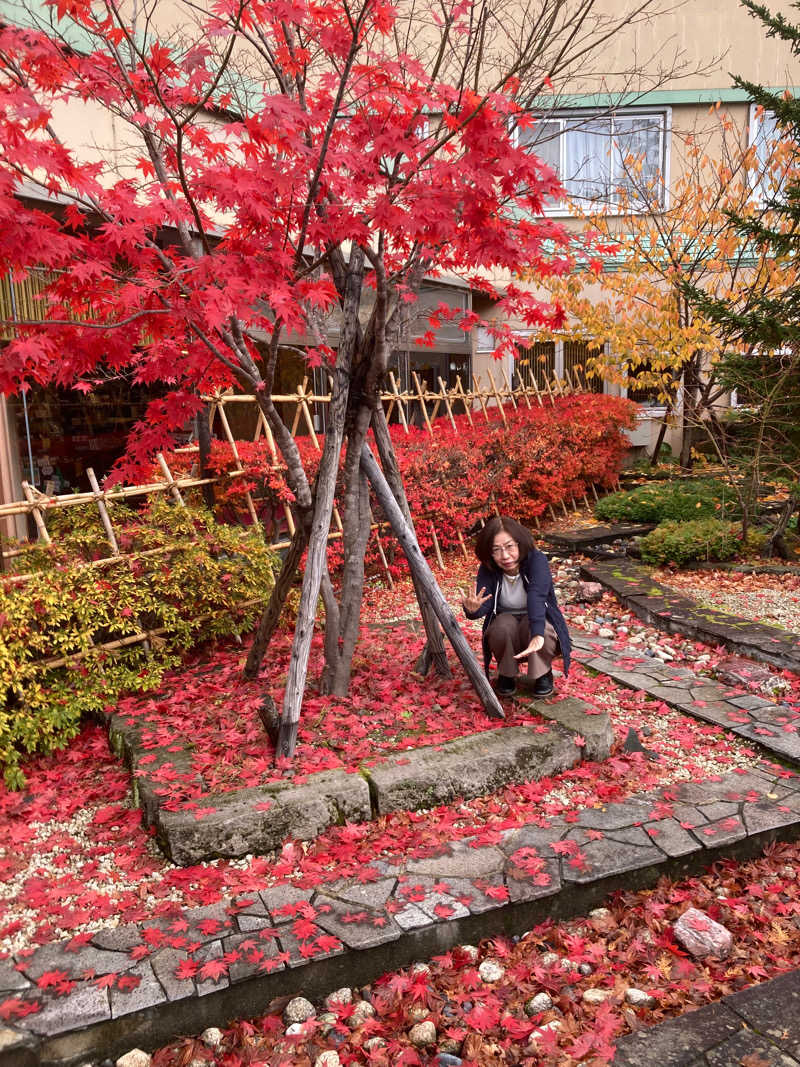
<point x="193" y="592"/>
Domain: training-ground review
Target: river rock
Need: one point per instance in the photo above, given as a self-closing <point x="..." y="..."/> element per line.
<point x="338" y="998"/>
<point x="298" y="1010"/>
<point x="701" y="935"/>
<point x="135" y="1058"/>
<point x="423" y="1034"/>
<point x="212" y="1036"/>
<point x="491" y="971"/>
<point x="639" y="998"/>
<point x="596" y="995"/>
<point x="536" y="1005"/>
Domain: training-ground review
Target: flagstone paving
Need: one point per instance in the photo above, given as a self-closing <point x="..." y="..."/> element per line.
<point x="771" y="725"/>
<point x="662" y="607"/>
<point x="756" y="1027"/>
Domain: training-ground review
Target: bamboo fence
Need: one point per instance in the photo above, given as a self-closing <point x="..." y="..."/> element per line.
<point x="431" y="408"/>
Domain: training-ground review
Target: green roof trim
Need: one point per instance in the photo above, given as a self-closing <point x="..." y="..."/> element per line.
<point x="655" y="98"/>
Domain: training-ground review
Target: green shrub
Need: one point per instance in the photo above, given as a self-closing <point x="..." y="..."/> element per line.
<point x="679" y="542"/>
<point x="186" y="579"/>
<point x="704" y="498"/>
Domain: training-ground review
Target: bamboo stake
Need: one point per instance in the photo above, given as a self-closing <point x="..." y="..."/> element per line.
<point x="105" y="518"/>
<point x="421" y="399"/>
<point x="460" y="392"/>
<point x="479" y="394"/>
<point x="448" y="409"/>
<point x="237" y="461"/>
<point x="176" y="493"/>
<point x="307" y="415"/>
<point x="27" y="489"/>
<point x="463" y="546"/>
<point x="436" y="548"/>
<point x="509" y="390"/>
<point x="400" y="408"/>
<point x="496" y="395"/>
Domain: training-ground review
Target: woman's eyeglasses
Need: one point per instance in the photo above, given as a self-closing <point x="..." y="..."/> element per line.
<point x="507" y="549"/>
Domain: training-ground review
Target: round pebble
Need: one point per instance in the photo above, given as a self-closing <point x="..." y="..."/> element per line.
<point x="491" y="971"/>
<point x="639" y="998"/>
<point x="212" y="1037"/>
<point x="328" y="1058"/>
<point x="298" y="1010"/>
<point x="597" y="996"/>
<point x="422" y="1035"/>
<point x="338" y="998"/>
<point x="536" y="1005"/>
<point x="362" y="1011"/>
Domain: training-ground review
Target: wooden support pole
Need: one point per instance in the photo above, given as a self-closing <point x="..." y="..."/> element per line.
<point x="237" y="461"/>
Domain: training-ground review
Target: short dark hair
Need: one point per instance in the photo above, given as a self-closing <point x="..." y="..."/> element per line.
<point x="502" y="524"/>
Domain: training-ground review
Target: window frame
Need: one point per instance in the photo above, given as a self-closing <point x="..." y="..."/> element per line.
<point x="610" y="207"/>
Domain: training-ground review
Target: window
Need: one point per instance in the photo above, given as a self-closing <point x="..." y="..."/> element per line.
<point x="608" y="159"/>
<point x="764" y="134"/>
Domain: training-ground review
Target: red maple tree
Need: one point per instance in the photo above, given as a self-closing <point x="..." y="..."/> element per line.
<point x="281" y="168"/>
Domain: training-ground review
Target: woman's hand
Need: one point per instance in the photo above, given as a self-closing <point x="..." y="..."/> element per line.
<point x="474" y="603"/>
<point x="534" y="646"/>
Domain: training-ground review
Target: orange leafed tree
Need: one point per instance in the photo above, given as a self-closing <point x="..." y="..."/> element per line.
<point x="630" y="303"/>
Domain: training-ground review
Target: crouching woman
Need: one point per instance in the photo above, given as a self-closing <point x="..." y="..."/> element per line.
<point x="515" y="597"/>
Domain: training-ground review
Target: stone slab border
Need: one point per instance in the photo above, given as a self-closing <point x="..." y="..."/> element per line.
<point x="412" y="910"/>
<point x="670" y="611"/>
<point x="757" y="1025"/>
<point x="260" y="819"/>
<point x="762" y="722"/>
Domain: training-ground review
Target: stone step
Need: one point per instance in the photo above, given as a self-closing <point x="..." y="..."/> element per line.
<point x="144" y="987"/>
<point x="581" y="539"/>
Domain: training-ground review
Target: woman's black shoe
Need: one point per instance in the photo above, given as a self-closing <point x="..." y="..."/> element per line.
<point x="543" y="686"/>
<point x="506" y="686"/>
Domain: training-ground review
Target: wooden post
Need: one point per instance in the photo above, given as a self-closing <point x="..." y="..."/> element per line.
<point x="463" y="546"/>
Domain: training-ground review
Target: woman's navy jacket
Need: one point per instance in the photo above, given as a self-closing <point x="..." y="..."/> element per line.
<point x="542" y="605"/>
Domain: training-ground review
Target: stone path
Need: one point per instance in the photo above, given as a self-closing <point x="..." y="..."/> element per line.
<point x="141" y="984"/>
<point x="757" y="1027"/>
<point x="772" y="726"/>
<point x="661" y="607"/>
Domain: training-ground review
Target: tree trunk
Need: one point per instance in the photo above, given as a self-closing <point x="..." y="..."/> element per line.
<point x="419" y="567"/>
<point x="776" y="541"/>
<point x="272" y="612"/>
<point x="316" y="560"/>
<point x="204" y="446"/>
<point x="662" y="432"/>
<point x="433" y="655"/>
